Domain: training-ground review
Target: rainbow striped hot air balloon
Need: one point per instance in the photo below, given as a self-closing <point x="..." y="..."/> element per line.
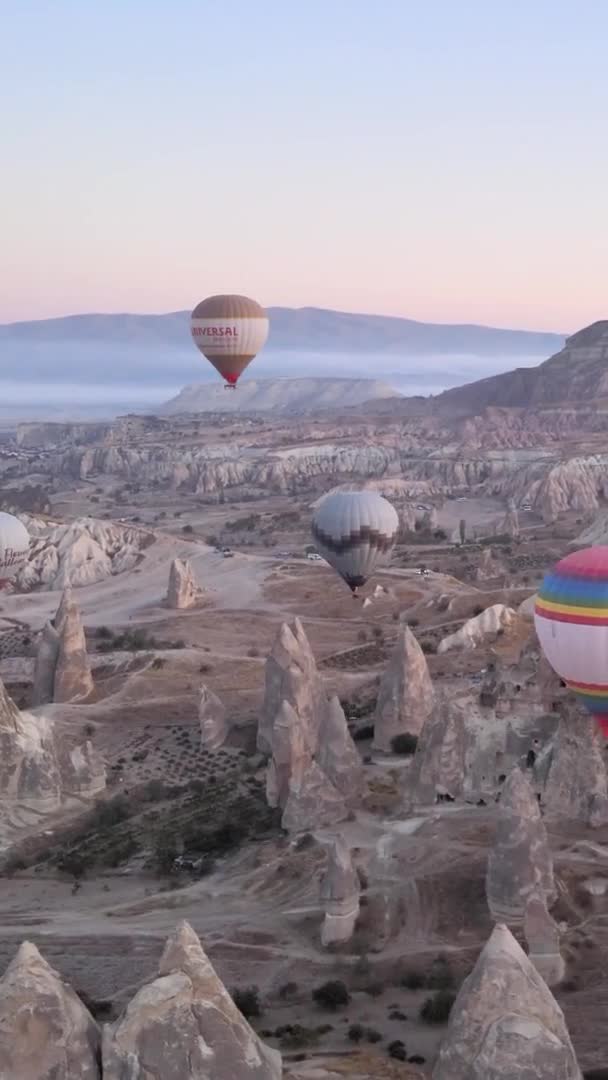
<point x="571" y="617"/>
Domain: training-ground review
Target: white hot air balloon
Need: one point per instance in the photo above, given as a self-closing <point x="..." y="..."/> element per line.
<point x="14" y="547"/>
<point x="354" y="530"/>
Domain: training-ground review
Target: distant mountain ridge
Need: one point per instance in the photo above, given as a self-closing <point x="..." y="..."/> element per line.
<point x="277" y="395"/>
<point x="305" y="328"/>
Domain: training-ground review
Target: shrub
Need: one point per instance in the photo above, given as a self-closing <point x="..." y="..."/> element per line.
<point x="440" y="977"/>
<point x="378" y="633"/>
<point x="99" y="1009"/>
<point x="103" y="632"/>
<point x="187" y="529"/>
<point x="247" y="1000"/>
<point x="404" y="744"/>
<point x="356" y="1032"/>
<point x="158" y="663"/>
<point x="365" y="732"/>
<point x="89" y="730"/>
<point x="412" y="980"/>
<point x="436" y="1009"/>
<point x="428" y="646"/>
<point x="416" y="1059"/>
<point x="372" y="1035"/>
<point x="72" y="863"/>
<point x="397" y="1050"/>
<point x="373" y="990"/>
<point x="253" y="651"/>
<point x="331" y="995"/>
<point x="110" y="813"/>
<point x="361" y="636"/>
<point x="288" y="990"/>
<point x="165" y="852"/>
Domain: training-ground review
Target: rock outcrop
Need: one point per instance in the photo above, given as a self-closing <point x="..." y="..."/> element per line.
<point x="509" y="525"/>
<point x="479" y="630"/>
<point x="73" y="680"/>
<point x="519" y="864"/>
<point x="212" y="719"/>
<point x="46" y="1033"/>
<point x="577" y="786"/>
<point x="82" y="552"/>
<point x="542" y="938"/>
<point x="291" y="675"/>
<point x="505" y="1022"/>
<point x="405" y="698"/>
<point x="439" y="765"/>
<point x="183" y="590"/>
<point x="337" y="754"/>
<point x="43" y="691"/>
<point x="488" y="566"/>
<point x="39" y="769"/>
<point x="314" y="771"/>
<point x="185" y="1024"/>
<point x="340" y="891"/>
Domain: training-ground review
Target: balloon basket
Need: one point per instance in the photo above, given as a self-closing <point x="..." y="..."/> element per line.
<point x="601" y="720"/>
<point x="229" y="386"/>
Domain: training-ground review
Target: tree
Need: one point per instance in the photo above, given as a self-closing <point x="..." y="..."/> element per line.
<point x="463" y="530"/>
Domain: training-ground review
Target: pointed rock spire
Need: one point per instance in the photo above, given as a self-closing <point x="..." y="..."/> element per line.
<point x="438" y="768"/>
<point x="337" y="754"/>
<point x="577" y="786"/>
<point x="73" y="678"/>
<point x="185" y="1023"/>
<point x="405" y="697"/>
<point x="46" y="663"/>
<point x="505" y="1018"/>
<point x="542" y="937"/>
<point x="520" y="861"/>
<point x="45" y="1030"/>
<point x="183" y="589"/>
<point x="340" y="891"/>
<point x="212" y="720"/>
<point x="291" y="675"/>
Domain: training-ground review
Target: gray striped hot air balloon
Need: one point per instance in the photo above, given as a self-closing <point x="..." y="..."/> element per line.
<point x="354" y="531"/>
<point x="14" y="547"/>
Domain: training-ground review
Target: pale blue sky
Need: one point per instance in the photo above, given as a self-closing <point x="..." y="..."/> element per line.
<point x="443" y="160"/>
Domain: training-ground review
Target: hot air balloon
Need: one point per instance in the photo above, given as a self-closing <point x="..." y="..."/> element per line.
<point x="571" y="617"/>
<point x="14" y="547"/>
<point x="229" y="331"/>
<point x="353" y="531"/>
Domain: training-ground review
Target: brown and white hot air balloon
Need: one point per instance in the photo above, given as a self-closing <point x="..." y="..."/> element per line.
<point x="229" y="331"/>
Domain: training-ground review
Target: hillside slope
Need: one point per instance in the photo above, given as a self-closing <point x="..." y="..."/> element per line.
<point x="578" y="373"/>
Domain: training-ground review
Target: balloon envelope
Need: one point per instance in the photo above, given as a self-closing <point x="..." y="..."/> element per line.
<point x="354" y="530"/>
<point x="229" y="331"/>
<point x="571" y="618"/>
<point x="14" y="547"/>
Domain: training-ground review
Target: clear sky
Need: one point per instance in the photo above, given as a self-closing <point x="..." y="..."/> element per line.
<point x="442" y="159"/>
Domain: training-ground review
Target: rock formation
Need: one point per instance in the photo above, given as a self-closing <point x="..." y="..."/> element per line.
<point x="479" y="630"/>
<point x="519" y="864"/>
<point x="296" y="783"/>
<point x="315" y="768"/>
<point x="439" y="764"/>
<point x="313" y="802"/>
<point x="510" y="523"/>
<point x="45" y="1030"/>
<point x="488" y="566"/>
<point x="292" y="676"/>
<point x="82" y="552"/>
<point x="577" y="786"/>
<point x="542" y="937"/>
<point x="212" y="719"/>
<point x="183" y="590"/>
<point x="62" y="672"/>
<point x="73" y="679"/>
<point x="405" y="697"/>
<point x="337" y="754"/>
<point x="43" y="690"/>
<point x="505" y="1022"/>
<point x="185" y="1024"/>
<point x="39" y="769"/>
<point x="340" y="891"/>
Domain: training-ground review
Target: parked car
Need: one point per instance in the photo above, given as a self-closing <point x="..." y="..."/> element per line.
<point x="313" y="557"/>
<point x="228" y="554"/>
